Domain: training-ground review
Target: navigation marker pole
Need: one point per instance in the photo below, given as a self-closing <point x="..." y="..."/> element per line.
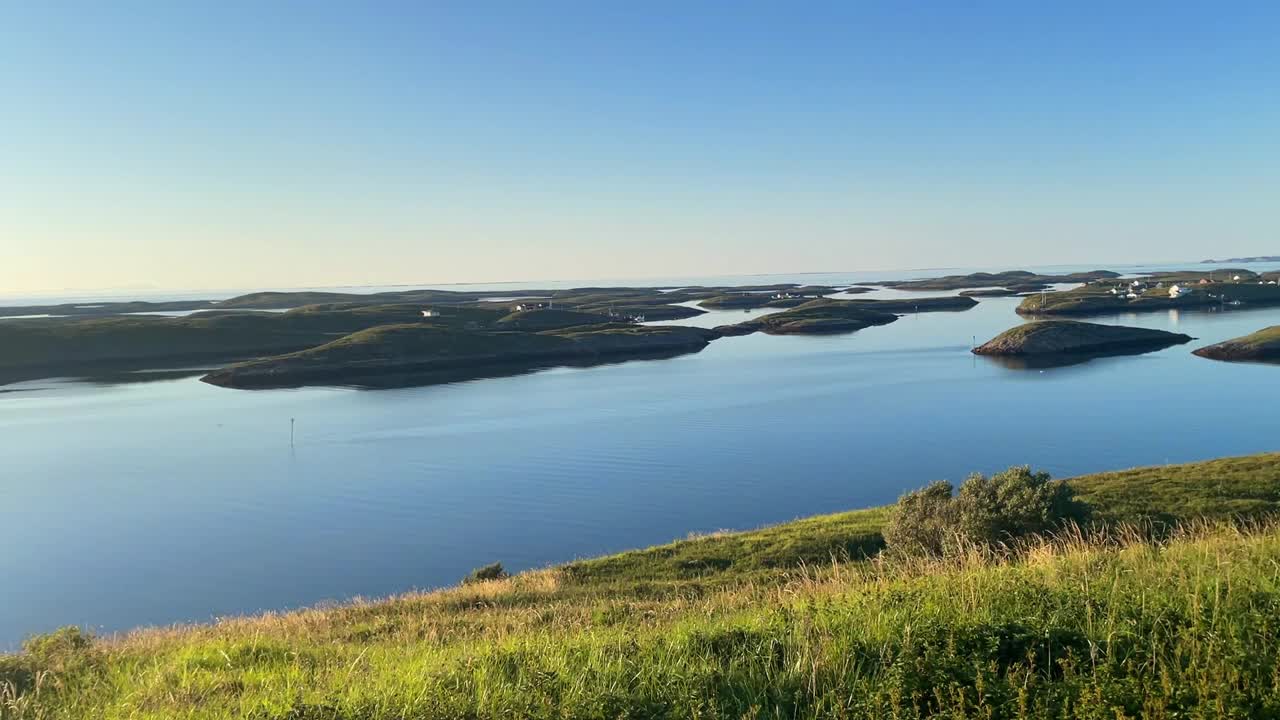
<point x="292" y="422"/>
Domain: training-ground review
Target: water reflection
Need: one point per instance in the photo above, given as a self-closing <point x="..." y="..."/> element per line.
<point x="1046" y="361"/>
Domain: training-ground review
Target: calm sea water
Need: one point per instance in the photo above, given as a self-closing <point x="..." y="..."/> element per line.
<point x="172" y="501"/>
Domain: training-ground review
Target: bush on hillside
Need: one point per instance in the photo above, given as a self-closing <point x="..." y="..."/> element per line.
<point x="1015" y="503"/>
<point x="924" y="521"/>
<point x="66" y="650"/>
<point x="487" y="573"/>
<point x="58" y="647"/>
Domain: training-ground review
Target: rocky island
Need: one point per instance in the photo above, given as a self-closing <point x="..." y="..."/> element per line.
<point x="1067" y="341"/>
<point x="1262" y="346"/>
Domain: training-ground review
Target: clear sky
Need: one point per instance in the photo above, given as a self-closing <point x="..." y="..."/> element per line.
<point x="252" y="144"/>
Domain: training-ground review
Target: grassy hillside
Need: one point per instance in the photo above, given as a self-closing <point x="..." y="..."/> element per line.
<point x="757" y="624"/>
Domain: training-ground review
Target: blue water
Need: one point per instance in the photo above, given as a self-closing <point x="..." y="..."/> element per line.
<point x="173" y="501"/>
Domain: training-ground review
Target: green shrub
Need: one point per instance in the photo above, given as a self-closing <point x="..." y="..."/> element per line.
<point x="986" y="511"/>
<point x="924" y="521"/>
<point x="67" y="650"/>
<point x="61" y="647"/>
<point x="486" y="573"/>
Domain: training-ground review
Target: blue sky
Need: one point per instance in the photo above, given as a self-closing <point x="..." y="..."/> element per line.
<point x="251" y="144"/>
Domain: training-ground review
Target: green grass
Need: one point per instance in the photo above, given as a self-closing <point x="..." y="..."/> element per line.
<point x="819" y="540"/>
<point x="781" y="622"/>
<point x="1217" y="489"/>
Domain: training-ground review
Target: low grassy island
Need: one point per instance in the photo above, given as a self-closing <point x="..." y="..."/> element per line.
<point x="1262" y="346"/>
<point x="829" y="316"/>
<point x="424" y="354"/>
<point x="1016" y="280"/>
<point x="876" y="613"/>
<point x="812" y="318"/>
<point x="1068" y="337"/>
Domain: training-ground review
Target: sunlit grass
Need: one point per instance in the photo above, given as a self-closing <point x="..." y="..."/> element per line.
<point x="798" y="621"/>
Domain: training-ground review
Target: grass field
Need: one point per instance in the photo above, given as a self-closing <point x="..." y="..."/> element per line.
<point x="800" y="620"/>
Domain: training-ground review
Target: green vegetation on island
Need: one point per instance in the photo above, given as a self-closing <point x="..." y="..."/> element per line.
<point x="785" y="298"/>
<point x="1159" y="291"/>
<point x="801" y="620"/>
<point x="43" y="348"/>
<point x="547" y="319"/>
<point x="814" y="317"/>
<point x="749" y="301"/>
<point x="103" y="309"/>
<point x="1016" y="280"/>
<point x="1262" y="346"/>
<point x="101" y="346"/>
<point x="1071" y="337"/>
<point x="424" y="353"/>
<point x="828" y="316"/>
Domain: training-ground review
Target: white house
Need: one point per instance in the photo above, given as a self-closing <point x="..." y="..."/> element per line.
<point x="1178" y="291"/>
